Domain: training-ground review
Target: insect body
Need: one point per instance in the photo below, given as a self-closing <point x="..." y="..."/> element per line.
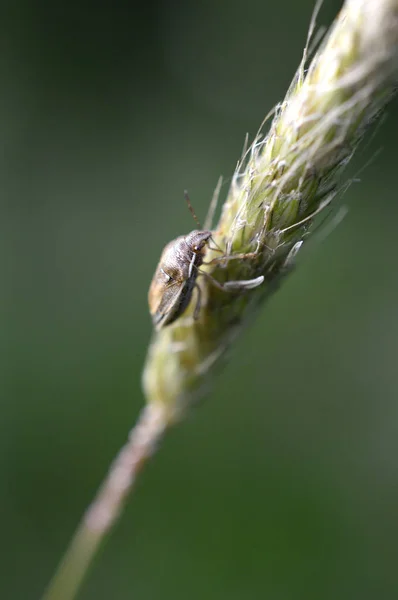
<point x="175" y="278"/>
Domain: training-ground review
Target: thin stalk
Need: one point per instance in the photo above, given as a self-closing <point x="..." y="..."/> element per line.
<point x="108" y="504"/>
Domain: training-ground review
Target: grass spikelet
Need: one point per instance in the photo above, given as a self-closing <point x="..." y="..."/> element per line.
<point x="283" y="181"/>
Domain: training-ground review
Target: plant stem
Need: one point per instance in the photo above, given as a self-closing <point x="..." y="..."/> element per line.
<point x="108" y="504"/>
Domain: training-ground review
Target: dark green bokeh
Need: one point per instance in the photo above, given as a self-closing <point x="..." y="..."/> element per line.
<point x="284" y="483"/>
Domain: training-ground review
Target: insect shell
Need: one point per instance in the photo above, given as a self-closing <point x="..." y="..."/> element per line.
<point x="175" y="277"/>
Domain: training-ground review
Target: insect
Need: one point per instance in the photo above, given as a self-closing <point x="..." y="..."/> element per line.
<point x="176" y="276"/>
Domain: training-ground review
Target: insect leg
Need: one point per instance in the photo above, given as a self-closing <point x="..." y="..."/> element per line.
<point x="242" y="255"/>
<point x="243" y="284"/>
<point x="230" y="286"/>
<point x="232" y="257"/>
<point x="191" y="264"/>
<point x="198" y="303"/>
<point x="215" y="249"/>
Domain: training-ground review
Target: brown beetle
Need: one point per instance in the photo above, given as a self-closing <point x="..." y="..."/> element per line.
<point x="176" y="277"/>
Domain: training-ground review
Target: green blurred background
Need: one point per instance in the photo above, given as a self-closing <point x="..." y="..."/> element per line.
<point x="283" y="484"/>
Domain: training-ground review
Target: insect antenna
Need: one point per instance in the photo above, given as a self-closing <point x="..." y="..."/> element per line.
<point x="191" y="209"/>
<point x="186" y="196"/>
